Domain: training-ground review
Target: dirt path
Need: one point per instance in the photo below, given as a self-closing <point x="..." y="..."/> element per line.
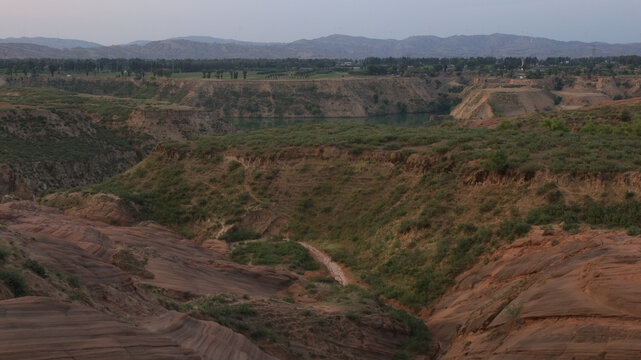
<point x="334" y="269"/>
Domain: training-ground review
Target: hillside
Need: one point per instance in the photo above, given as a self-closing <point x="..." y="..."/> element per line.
<point x="413" y="214"/>
<point x="54" y="139"/>
<point x="50" y="42"/>
<point x="143" y="292"/>
<point x="184" y="235"/>
<point x="326" y="98"/>
<point x="335" y="47"/>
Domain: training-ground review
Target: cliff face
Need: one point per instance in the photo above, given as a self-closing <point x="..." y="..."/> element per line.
<point x="348" y="97"/>
<point x="42" y="150"/>
<point x="176" y="124"/>
<point x="42" y="176"/>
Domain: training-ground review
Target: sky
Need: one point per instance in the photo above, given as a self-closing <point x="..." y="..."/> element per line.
<point x="120" y="21"/>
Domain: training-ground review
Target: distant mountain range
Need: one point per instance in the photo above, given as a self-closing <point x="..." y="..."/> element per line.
<point x="51" y="42"/>
<point x="334" y="46"/>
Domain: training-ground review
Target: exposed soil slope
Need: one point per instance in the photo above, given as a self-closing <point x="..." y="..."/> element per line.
<point x="114" y="310"/>
<point x="488" y="103"/>
<point x="495" y="97"/>
<point x="125" y="277"/>
<point x="173" y="263"/>
<point x="42" y="150"/>
<point x="547" y="296"/>
<point x="333" y="98"/>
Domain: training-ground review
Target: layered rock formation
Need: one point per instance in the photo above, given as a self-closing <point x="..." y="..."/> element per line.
<point x="555" y="296"/>
<point x="45" y="328"/>
<point x="120" y="319"/>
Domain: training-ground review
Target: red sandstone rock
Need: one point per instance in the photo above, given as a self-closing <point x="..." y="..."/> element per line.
<point x="578" y="299"/>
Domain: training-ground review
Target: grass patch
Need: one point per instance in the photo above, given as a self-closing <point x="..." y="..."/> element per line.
<point x="276" y="252"/>
<point x="36" y="267"/>
<point x="15" y="281"/>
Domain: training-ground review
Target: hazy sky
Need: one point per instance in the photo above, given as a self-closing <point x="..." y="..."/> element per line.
<point x="120" y="21"/>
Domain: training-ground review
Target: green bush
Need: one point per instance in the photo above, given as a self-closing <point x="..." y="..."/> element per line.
<point x="353" y="316"/>
<point x="488" y="205"/>
<point x="554" y="124"/>
<point x="419" y="335"/>
<point x="36" y="267"/>
<point x="240" y="234"/>
<point x="634" y="231"/>
<point x="505" y="125"/>
<point x="544" y="189"/>
<point x="14" y="280"/>
<point x="73" y="281"/>
<point x="4" y="253"/>
<point x="230" y="315"/>
<point x="272" y="253"/>
<point x="497" y="162"/>
<point x="512" y="229"/>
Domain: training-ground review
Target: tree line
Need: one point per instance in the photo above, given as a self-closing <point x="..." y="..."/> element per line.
<point x="370" y="66"/>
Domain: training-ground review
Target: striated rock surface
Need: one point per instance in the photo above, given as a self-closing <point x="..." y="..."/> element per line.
<point x="174" y="263"/>
<point x="110" y="290"/>
<point x="575" y="297"/>
<point x="44" y="328"/>
<point x="99" y="207"/>
<point x="207" y="338"/>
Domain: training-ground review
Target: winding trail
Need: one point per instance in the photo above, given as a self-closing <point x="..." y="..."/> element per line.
<point x="334" y="269"/>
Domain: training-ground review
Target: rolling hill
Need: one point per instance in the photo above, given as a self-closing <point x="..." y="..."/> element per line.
<point x="50" y="42"/>
<point x="334" y="46"/>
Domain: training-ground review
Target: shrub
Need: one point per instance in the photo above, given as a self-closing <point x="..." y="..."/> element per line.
<point x="73" y="281"/>
<point x="240" y="234"/>
<point x="497" y="162"/>
<point x="554" y="197"/>
<point x="634" y="230"/>
<point x="505" y="125"/>
<point x="259" y="333"/>
<point x="512" y="229"/>
<point x="544" y="189"/>
<point x="4" y="253"/>
<point x="488" y="205"/>
<point x="554" y="124"/>
<point x="409" y="224"/>
<point x="353" y="316"/>
<point x="419" y="335"/>
<point x="275" y="252"/>
<point x="219" y="309"/>
<point x="233" y="165"/>
<point x="14" y="280"/>
<point x="36" y="267"/>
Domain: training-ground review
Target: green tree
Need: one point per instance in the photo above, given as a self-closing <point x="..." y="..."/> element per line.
<point x="52" y="69"/>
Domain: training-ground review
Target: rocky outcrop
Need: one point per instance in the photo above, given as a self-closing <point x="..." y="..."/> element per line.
<point x="48" y="328"/>
<point x="177" y="124"/>
<point x="551" y="296"/>
<point x="45" y="328"/>
<point x="41" y="176"/>
<point x="207" y="338"/>
<point x="107" y="208"/>
<point x="175" y="264"/>
<point x="11" y="184"/>
<point x="45" y="150"/>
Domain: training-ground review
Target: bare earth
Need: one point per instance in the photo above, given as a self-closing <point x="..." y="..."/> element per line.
<point x="556" y="296"/>
<point x="33" y="327"/>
